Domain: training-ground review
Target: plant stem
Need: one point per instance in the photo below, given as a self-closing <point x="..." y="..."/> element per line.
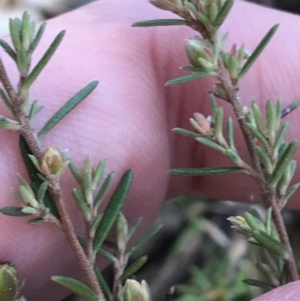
<point x="119" y="267"/>
<point x="68" y="229"/>
<point x="278" y="221"/>
<point x="34" y="145"/>
<point x="268" y="196"/>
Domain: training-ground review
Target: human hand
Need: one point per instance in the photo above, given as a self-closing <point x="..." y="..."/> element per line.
<point x="128" y="118"/>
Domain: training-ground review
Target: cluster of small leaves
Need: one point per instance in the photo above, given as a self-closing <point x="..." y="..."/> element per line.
<point x="214" y="282"/>
<point x="40" y="197"/>
<point x="270" y="252"/>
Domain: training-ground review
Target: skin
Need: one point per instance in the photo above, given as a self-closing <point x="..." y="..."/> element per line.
<point x="128" y="119"/>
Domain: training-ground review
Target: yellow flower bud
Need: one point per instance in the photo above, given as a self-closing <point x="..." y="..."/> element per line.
<point x="52" y="161"/>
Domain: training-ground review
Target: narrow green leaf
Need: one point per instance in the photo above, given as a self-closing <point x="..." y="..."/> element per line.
<point x="258" y="135"/>
<point x="198" y="15"/>
<point x="23" y="182"/>
<point x="213" y="12"/>
<point x="272" y="244"/>
<point x="144" y="239"/>
<point x="41" y="192"/>
<point x="278" y="113"/>
<point x="6" y="47"/>
<point x="213" y="103"/>
<point x="34" y="109"/>
<point x="256" y="53"/>
<point x="98" y="174"/>
<point x="33" y="174"/>
<point x="112" y="210"/>
<point x="67" y="108"/>
<point x="264" y="159"/>
<point x="29" y="197"/>
<point x="87" y="181"/>
<point x="271" y="121"/>
<point x="283" y="162"/>
<point x="134" y="267"/>
<point x="133" y="227"/>
<point x="43" y="62"/>
<point x="37" y="37"/>
<point x="81" y="203"/>
<point x="290" y="108"/>
<point x="269" y="259"/>
<point x="25" y="33"/>
<point x="102" y="191"/>
<point x="22" y="61"/>
<point x="6" y="100"/>
<point x="223" y="13"/>
<point x="29" y="210"/>
<point x="211" y="144"/>
<point x="103" y="284"/>
<point x="258" y="283"/>
<point x="189" y="77"/>
<point x="13" y="211"/>
<point x="106" y="255"/>
<point x="76" y="287"/>
<point x="95" y="224"/>
<point x="160" y="22"/>
<point x="205" y="171"/>
<point x="269" y="220"/>
<point x="266" y="271"/>
<point x="219" y="126"/>
<point x="280" y="137"/>
<point x="234" y="156"/>
<point x="230" y="133"/>
<point x="289" y="193"/>
<point x="14" y="29"/>
<point x="186" y="133"/>
<point x="191" y="68"/>
<point x="260" y="124"/>
<point x="253" y="222"/>
<point x="36" y="221"/>
<point x="75" y="172"/>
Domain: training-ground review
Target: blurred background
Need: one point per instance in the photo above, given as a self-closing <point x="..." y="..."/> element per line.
<point x="196" y="250"/>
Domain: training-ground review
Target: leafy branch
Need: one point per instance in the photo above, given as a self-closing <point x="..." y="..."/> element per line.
<point x="42" y="200"/>
<point x="272" y="165"/>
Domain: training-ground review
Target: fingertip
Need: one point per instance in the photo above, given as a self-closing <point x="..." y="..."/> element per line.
<point x="288" y="292"/>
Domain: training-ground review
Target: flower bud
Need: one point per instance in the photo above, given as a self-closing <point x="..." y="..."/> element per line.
<point x="220" y="90"/>
<point x="240" y="224"/>
<point x="202" y="124"/>
<point x="52" y="161"/>
<point x="135" y="291"/>
<point x="197" y="49"/>
<point x="9" y="283"/>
